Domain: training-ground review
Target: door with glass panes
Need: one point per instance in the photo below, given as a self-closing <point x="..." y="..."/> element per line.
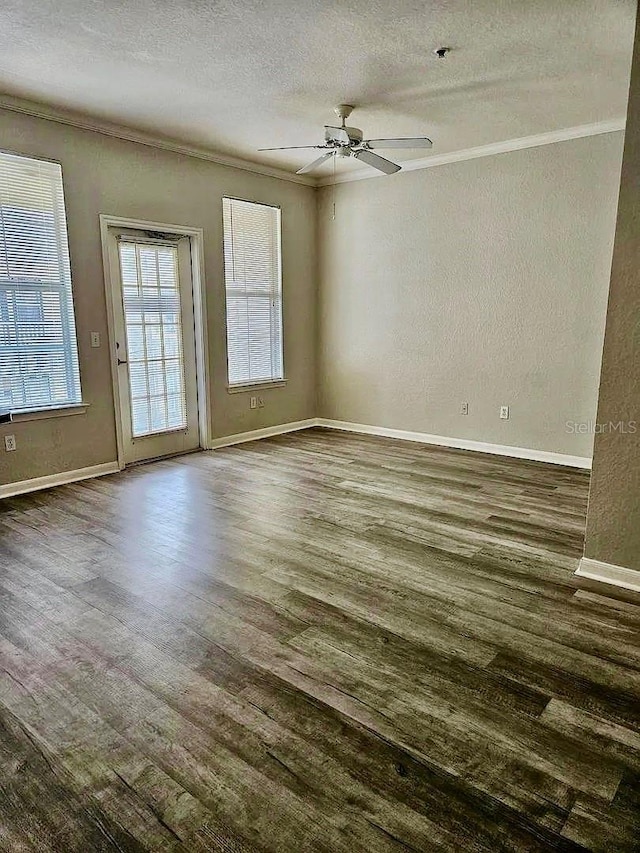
<point x="155" y="345"/>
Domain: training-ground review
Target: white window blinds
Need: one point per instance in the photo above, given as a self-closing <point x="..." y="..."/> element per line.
<point x="253" y="284"/>
<point x="38" y="352"/>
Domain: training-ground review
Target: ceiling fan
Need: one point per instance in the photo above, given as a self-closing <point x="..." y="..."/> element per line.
<point x="346" y="141"/>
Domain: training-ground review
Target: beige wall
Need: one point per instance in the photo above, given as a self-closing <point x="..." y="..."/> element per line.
<point x="482" y="281"/>
<point x="613" y="522"/>
<point x="105" y="175"/>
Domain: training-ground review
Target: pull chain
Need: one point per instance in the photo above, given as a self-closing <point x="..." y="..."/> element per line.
<point x="333" y="189"/>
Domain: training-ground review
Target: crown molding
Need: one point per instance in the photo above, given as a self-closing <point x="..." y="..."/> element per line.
<point x="129" y="134"/>
<point x="117" y="131"/>
<point x="489" y="150"/>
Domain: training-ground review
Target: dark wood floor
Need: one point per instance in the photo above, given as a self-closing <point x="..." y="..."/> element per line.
<point x="318" y="642"/>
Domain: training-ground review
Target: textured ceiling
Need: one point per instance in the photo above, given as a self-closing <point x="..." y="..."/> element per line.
<point x="234" y="76"/>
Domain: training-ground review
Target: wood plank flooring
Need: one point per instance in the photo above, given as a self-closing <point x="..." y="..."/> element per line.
<point x="316" y="642"/>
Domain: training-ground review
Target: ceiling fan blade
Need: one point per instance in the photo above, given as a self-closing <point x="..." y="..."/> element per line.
<point x="311" y="166"/>
<point x="377" y="162"/>
<point x="291" y="147"/>
<point x="412" y="142"/>
<point x="336" y="134"/>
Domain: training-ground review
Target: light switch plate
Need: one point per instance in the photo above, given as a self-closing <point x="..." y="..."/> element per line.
<point x="95" y="339"/>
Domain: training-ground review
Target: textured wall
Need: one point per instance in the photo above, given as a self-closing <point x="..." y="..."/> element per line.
<point x="613" y="523"/>
<point x="104" y="175"/>
<point x="482" y="281"/>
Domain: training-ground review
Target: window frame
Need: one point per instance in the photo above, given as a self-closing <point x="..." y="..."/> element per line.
<point x="258" y="384"/>
<point x="64" y="286"/>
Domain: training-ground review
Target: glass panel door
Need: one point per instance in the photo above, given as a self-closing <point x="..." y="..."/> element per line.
<point x="155" y="345"/>
<point x="153" y="323"/>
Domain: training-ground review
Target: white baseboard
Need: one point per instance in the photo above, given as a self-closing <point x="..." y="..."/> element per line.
<point x="461" y="443"/>
<point x="607" y="573"/>
<point x="23" y="486"/>
<point x="51" y="480"/>
<point x="37" y="483"/>
<point x="254" y="434"/>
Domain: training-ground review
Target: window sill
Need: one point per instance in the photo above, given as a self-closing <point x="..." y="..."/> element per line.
<point x="42" y="414"/>
<point x="256" y="386"/>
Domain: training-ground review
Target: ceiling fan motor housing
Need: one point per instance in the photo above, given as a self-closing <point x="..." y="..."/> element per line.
<point x="340" y="135"/>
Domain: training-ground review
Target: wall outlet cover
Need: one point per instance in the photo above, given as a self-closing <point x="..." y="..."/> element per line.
<point x="504" y="412"/>
<point x="9" y="442"/>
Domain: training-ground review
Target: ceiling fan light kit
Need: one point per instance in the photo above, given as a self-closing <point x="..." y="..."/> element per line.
<point x="346" y="141"/>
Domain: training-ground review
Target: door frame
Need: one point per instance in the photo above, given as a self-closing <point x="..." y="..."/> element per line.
<point x="196" y="238"/>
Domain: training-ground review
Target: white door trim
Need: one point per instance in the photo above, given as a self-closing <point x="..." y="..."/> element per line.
<point x="196" y="237"/>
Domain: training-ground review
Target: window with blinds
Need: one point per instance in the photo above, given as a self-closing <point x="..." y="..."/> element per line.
<point x="38" y="350"/>
<point x="253" y="285"/>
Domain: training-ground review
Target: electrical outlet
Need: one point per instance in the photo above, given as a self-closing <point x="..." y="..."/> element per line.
<point x="253" y="402"/>
<point x="95" y="339"/>
<point x="9" y="442"/>
<point x="504" y="412"/>
<point x="464" y="409"/>
<point x="260" y="403"/>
